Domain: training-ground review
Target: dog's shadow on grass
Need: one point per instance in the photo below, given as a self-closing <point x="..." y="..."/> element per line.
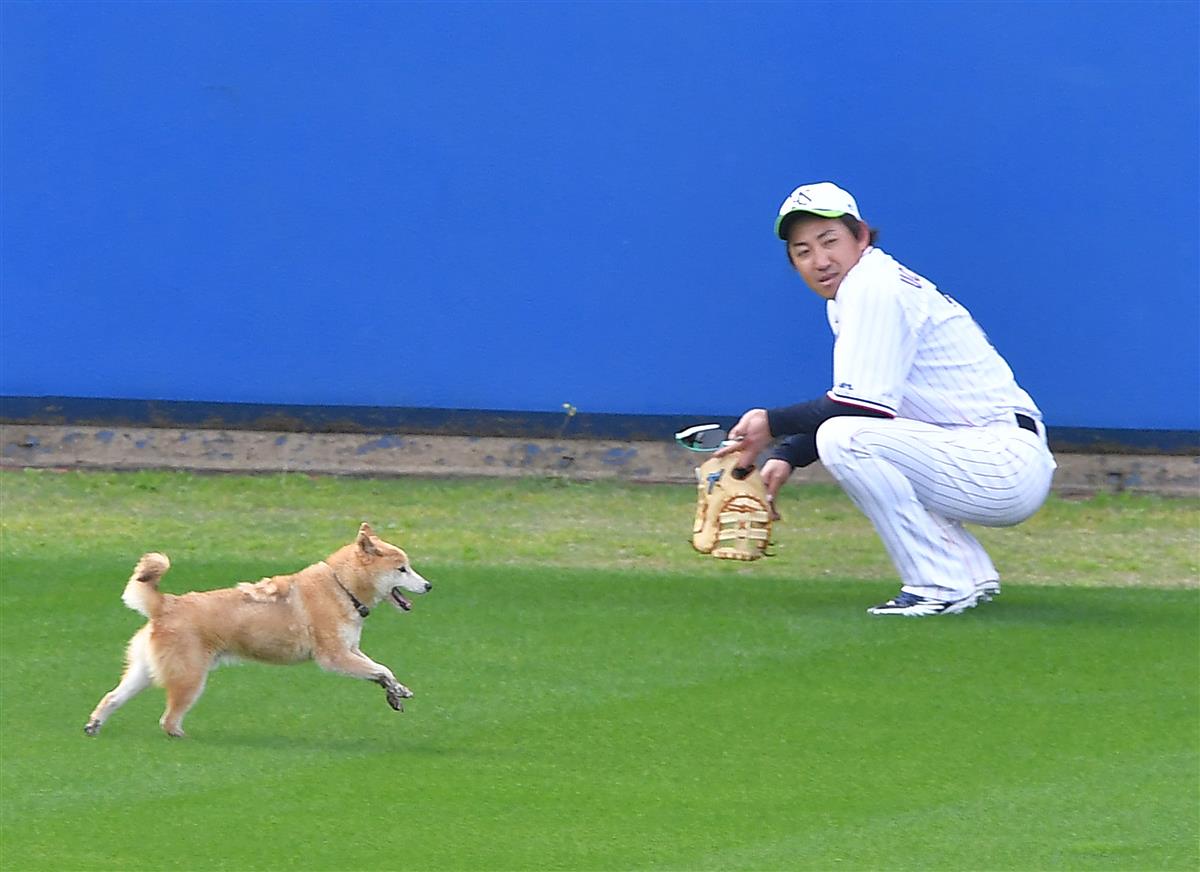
<point x="350" y="746"/>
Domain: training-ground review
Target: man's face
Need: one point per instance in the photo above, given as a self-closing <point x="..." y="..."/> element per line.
<point x="823" y="250"/>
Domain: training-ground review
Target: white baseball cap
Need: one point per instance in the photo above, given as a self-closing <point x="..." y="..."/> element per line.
<point x="820" y="198"/>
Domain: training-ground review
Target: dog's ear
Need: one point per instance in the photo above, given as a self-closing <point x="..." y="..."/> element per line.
<point x="364" y="539"/>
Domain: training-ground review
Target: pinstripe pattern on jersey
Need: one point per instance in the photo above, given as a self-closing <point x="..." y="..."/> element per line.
<point x="918" y="483"/>
<point x="904" y="347"/>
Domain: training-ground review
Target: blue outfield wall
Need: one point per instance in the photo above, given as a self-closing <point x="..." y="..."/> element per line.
<point x="482" y="206"/>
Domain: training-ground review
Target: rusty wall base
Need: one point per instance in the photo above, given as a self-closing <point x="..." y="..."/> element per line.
<point x="76" y="447"/>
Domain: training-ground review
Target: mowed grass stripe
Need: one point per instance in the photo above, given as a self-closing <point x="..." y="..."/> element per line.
<point x="280" y="523"/>
<point x="577" y="719"/>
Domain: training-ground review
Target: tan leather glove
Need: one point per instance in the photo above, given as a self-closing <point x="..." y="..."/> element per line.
<point x="733" y="514"/>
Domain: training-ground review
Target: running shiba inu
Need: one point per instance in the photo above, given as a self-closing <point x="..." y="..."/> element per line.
<point x="315" y="614"/>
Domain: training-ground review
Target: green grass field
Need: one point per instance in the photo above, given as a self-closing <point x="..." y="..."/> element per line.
<point x="592" y="695"/>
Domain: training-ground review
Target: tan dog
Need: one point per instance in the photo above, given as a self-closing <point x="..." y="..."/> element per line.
<point x="316" y="614"/>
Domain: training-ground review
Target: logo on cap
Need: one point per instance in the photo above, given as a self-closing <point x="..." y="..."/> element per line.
<point x="820" y="198"/>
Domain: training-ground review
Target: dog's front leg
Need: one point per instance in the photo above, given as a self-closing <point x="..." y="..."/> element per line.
<point x="359" y="665"/>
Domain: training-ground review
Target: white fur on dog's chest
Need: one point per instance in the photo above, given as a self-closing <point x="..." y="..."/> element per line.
<point x="351" y="633"/>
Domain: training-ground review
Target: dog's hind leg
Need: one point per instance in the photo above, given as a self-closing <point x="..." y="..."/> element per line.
<point x="357" y="664"/>
<point x="182" y="692"/>
<point x="135" y="679"/>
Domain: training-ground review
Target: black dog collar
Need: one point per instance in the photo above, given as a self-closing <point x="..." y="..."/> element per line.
<point x="358" y="606"/>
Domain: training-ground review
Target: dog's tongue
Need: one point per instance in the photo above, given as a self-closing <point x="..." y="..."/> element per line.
<point x="400" y="600"/>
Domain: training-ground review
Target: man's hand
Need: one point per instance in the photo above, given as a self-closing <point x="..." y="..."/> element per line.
<point x="774" y="473"/>
<point x="751" y="435"/>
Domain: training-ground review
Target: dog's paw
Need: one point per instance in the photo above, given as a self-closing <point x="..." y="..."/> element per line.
<point x="396" y="695"/>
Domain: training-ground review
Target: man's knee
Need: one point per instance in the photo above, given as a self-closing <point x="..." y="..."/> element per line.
<point x="835" y="438"/>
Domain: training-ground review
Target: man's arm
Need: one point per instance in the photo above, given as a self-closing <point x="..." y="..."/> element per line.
<point x="800" y="422"/>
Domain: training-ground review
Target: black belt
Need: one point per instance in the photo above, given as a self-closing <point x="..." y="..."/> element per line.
<point x="1027" y="423"/>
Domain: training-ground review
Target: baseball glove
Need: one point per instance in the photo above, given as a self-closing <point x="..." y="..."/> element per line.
<point x="733" y="515"/>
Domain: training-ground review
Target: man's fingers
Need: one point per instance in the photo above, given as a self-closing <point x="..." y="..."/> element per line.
<point x="773" y="484"/>
<point x="732" y="444"/>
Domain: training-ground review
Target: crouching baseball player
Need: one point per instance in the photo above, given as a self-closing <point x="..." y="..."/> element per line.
<point x="925" y="427"/>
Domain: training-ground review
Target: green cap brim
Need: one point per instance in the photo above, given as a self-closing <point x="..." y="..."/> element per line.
<point x="821" y="213"/>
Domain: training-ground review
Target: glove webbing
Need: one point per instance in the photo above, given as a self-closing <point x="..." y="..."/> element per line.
<point x="745" y="529"/>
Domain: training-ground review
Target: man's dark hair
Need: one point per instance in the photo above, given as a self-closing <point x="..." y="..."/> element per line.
<point x="854" y="225"/>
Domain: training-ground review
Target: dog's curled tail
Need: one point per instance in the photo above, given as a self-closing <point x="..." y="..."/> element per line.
<point x="141" y="593"/>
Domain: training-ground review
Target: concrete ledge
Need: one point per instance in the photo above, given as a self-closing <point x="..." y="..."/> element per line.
<point x="75" y="447"/>
<point x="567" y="422"/>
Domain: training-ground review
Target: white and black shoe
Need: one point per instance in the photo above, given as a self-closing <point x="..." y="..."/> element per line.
<point x="913" y="606"/>
<point x="988" y="590"/>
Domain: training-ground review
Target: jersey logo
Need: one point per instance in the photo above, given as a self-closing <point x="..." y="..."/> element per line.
<point x="909" y="278"/>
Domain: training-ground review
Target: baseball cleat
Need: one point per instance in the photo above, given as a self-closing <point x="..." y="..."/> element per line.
<point x="987" y="590"/>
<point x="912" y="606"/>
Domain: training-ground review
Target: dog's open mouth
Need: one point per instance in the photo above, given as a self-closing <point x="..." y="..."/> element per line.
<point x="400" y="601"/>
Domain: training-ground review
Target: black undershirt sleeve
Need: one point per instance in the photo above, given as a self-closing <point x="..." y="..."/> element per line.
<point x="799" y="424"/>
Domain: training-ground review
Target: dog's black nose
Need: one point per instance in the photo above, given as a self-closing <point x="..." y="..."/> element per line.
<point x="428" y="587"/>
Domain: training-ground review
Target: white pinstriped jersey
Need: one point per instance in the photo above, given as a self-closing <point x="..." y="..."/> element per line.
<point x="904" y="347"/>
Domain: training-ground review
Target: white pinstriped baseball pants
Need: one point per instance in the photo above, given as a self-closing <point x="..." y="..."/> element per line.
<point x="918" y="483"/>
